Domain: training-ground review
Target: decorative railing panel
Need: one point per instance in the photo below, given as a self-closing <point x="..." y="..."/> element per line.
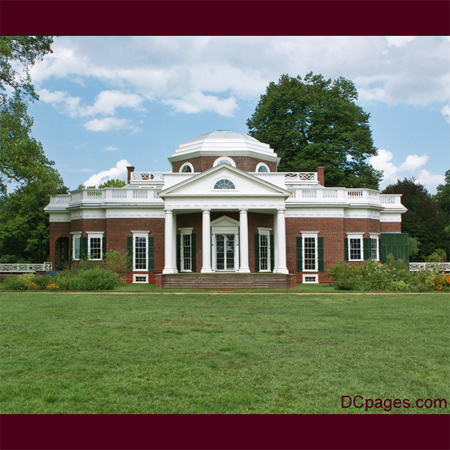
<point x="63" y="199"/>
<point x="11" y="268"/>
<point x="418" y="266"/>
<point x="146" y="176"/>
<point x="301" y="176"/>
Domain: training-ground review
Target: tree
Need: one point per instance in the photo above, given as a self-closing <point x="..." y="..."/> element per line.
<point x="22" y="158"/>
<point x="315" y="122"/>
<point x="443" y="198"/>
<point x="24" y="226"/>
<point x="424" y="219"/>
<point x="113" y="183"/>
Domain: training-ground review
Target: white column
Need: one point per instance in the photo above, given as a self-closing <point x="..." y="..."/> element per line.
<point x="174" y="241"/>
<point x="243" y="244"/>
<point x="281" y="242"/>
<point x="206" y="241"/>
<point x="168" y="243"/>
<point x="275" y="243"/>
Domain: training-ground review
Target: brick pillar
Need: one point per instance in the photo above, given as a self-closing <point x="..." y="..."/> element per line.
<point x="130" y="170"/>
<point x="321" y="175"/>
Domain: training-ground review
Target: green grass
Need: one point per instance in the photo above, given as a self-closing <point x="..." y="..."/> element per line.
<point x="144" y="353"/>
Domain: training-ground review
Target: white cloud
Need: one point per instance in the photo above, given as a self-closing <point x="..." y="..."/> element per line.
<point x="189" y="73"/>
<point x="430" y="180"/>
<point x="446" y="112"/>
<point x="399" y="41"/>
<point x="413" y="162"/>
<point x="119" y="171"/>
<point x="197" y="102"/>
<point x="110" y="148"/>
<point x="110" y="123"/>
<point x="106" y="102"/>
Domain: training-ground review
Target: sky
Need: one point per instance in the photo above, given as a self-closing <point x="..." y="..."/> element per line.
<point x="109" y="102"/>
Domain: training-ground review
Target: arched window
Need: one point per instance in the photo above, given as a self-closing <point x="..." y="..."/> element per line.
<point x="261" y="167"/>
<point x="224" y="160"/>
<point x="224" y="184"/>
<point x="186" y="168"/>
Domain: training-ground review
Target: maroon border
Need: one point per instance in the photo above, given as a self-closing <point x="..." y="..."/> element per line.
<point x="177" y="17"/>
<point x="225" y="432"/>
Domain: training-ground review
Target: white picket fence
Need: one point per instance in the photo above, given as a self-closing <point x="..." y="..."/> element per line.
<point x="26" y="268"/>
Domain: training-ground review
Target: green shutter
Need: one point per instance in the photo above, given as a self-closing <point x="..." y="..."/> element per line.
<point x="151" y="253"/>
<point x="395" y="243"/>
<point x="256" y="252"/>
<point x="346" y="249"/>
<point x="320" y="255"/>
<point x="366" y="244"/>
<point x="103" y="247"/>
<point x="84" y="248"/>
<point x="130" y="253"/>
<point x="272" y="252"/>
<point x="299" y="254"/>
<point x="194" y="252"/>
<point x="178" y="253"/>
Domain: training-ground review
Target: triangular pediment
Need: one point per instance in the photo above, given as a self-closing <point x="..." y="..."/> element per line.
<point x="225" y="221"/>
<point x="239" y="183"/>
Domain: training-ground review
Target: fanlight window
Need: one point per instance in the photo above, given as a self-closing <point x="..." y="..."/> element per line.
<point x="224" y="160"/>
<point x="263" y="168"/>
<point x="224" y="184"/>
<point x="186" y="168"/>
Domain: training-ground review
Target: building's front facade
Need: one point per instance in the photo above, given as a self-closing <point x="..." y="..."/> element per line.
<point x="224" y="208"/>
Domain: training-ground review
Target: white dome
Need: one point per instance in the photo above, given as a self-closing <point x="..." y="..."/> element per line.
<point x="223" y="134"/>
<point x="224" y="143"/>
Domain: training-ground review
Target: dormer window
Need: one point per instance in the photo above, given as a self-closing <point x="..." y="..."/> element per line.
<point x="224" y="160"/>
<point x="186" y="168"/>
<point x="261" y="167"/>
<point x="224" y="184"/>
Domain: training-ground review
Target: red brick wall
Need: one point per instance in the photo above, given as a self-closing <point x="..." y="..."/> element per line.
<point x="391" y="227"/>
<point x="57" y="230"/>
<point x="245" y="163"/>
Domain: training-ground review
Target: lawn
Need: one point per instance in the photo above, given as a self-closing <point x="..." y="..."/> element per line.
<point x="145" y="353"/>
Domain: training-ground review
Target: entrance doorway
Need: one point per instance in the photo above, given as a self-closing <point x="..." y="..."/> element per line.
<point x="225" y="252"/>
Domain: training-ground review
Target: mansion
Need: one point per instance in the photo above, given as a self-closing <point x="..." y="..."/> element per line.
<point x="225" y="210"/>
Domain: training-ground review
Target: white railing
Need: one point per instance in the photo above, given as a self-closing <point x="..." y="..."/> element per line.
<point x="29" y="268"/>
<point x="301" y="176"/>
<point x="418" y="266"/>
<point x="62" y="199"/>
<point x="146" y="176"/>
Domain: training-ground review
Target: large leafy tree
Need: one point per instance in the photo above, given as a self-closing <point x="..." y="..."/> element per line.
<point x="443" y="198"/>
<point x="22" y="158"/>
<point x="424" y="219"/>
<point x="314" y="122"/>
<point x="24" y="227"/>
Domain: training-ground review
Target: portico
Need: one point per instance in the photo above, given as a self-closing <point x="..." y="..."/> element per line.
<point x="225" y="243"/>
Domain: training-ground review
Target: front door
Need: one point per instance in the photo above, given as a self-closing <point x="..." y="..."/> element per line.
<point x="225" y="251"/>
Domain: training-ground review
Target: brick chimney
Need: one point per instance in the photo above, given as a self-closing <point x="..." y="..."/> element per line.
<point x="130" y="170"/>
<point x="321" y="175"/>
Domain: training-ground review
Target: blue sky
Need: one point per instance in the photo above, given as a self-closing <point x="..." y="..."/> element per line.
<point x="108" y="102"/>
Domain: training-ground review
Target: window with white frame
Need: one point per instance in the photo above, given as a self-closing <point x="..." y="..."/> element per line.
<point x="95" y="245"/>
<point x="140" y="278"/>
<point x="186" y="249"/>
<point x="264" y="250"/>
<point x="140" y="250"/>
<point x="224" y="160"/>
<point x="310" y="251"/>
<point x="355" y="247"/>
<point x="313" y="279"/>
<point x="261" y="167"/>
<point x="374" y="248"/>
<point x="224" y="184"/>
<point x="76" y="245"/>
<point x="186" y="168"/>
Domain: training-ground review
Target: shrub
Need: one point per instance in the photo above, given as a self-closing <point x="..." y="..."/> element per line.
<point x="96" y="279"/>
<point x="43" y="280"/>
<point x="345" y="277"/>
<point x="26" y="282"/>
<point x="116" y="261"/>
<point x="52" y="287"/>
<point x="66" y="280"/>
